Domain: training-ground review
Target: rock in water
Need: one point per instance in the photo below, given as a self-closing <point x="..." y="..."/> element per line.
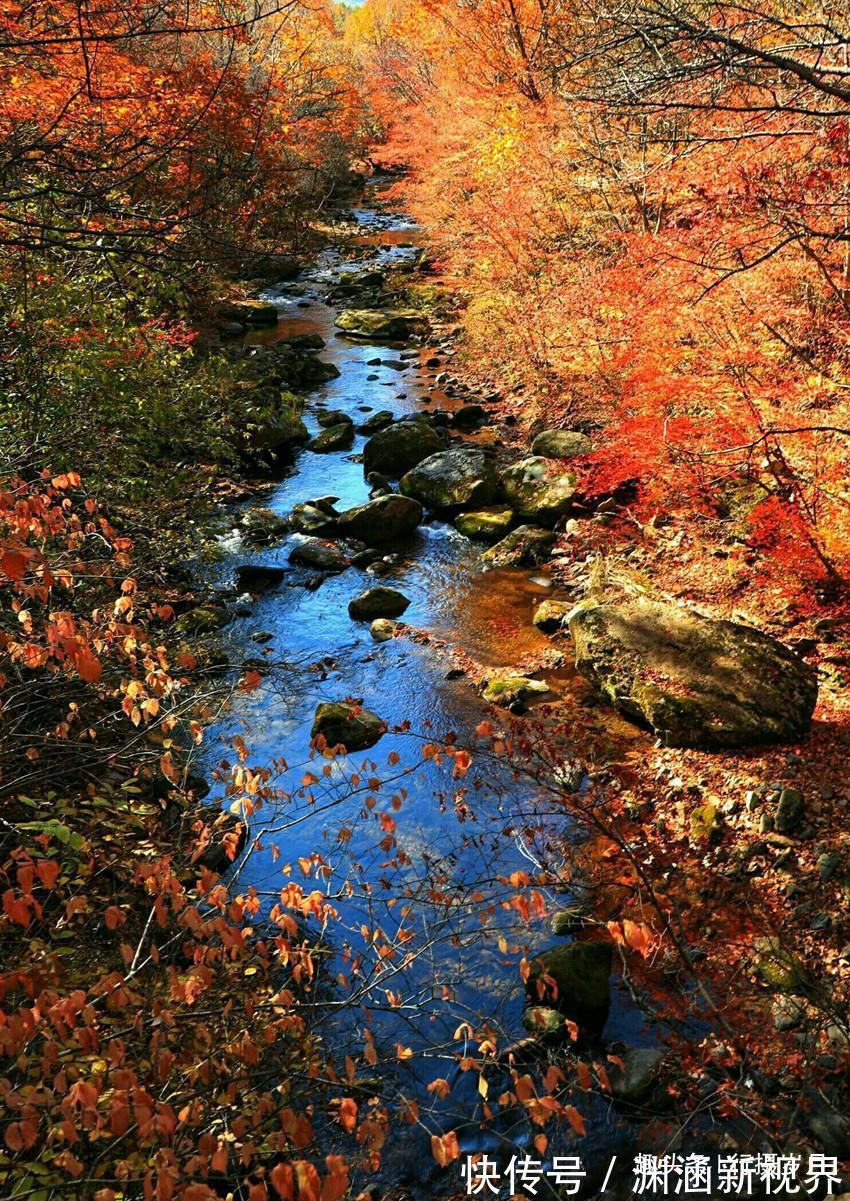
<point x="506" y="690"/>
<point x="378" y="421"/>
<point x="383" y="519"/>
<point x="347" y="723"/>
<point x="396" y="325"/>
<point x="526" y="546"/>
<point x="333" y="437"/>
<point x="318" y="554"/>
<point x="550" y="615"/>
<point x="540" y="489"/>
<point x="631" y="1083"/>
<point x="575" y="980"/>
<point x="485" y="525"/>
<point x="452" y="479"/>
<point x="261" y="525"/>
<point x="378" y="602"/>
<point x="560" y="444"/>
<point x="697" y="682"/>
<point x="308" y="518"/>
<point x="329" y="417"/>
<point x="203" y="620"/>
<point x="400" y="446"/>
<point x="258" y="577"/>
<point x="383" y="629"/>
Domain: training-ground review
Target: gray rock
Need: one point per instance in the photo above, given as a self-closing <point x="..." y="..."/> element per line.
<point x="469" y="417"/>
<point x="383" y="519"/>
<point x="540" y="489"/>
<point x="452" y="479"/>
<point x="560" y="444"/>
<point x="697" y="682"/>
<point x="790" y="811"/>
<point x="378" y="602"/>
<point x="632" y="1083"/>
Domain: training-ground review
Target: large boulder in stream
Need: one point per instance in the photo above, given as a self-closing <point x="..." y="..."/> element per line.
<point x="400" y="446"/>
<point x="696" y="681"/>
<point x="539" y="489"/>
<point x="347" y="723"/>
<point x="392" y="325"/>
<point x="452" y="479"/>
<point x="575" y="980"/>
<point x="384" y="519"/>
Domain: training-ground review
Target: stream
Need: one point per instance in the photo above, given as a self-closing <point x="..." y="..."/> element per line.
<point x="453" y="838"/>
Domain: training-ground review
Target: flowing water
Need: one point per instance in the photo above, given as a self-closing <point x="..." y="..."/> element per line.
<point x="449" y="843"/>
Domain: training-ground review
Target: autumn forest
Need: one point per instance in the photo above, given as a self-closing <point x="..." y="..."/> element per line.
<point x="424" y="599"/>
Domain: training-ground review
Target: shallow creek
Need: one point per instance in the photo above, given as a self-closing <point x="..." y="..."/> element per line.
<point x="317" y="653"/>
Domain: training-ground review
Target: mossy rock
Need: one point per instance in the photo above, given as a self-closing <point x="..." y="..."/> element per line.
<point x="507" y="690"/>
<point x="560" y="444"/>
<point x="279" y="434"/>
<point x="696" y="681"/>
<point x="307" y="518"/>
<point x="248" y="312"/>
<point x="551" y="615"/>
<point x="203" y="620"/>
<point x="261" y="525"/>
<point x="544" y="1022"/>
<point x="485" y="525"/>
<point x="540" y="489"/>
<point x="400" y="446"/>
<point x="335" y="437"/>
<point x="580" y="980"/>
<point x="318" y="554"/>
<point x="330" y="417"/>
<point x="780" y="968"/>
<point x="392" y="325"/>
<point x="526" y="546"/>
<point x="383" y="519"/>
<point x="452" y="479"/>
